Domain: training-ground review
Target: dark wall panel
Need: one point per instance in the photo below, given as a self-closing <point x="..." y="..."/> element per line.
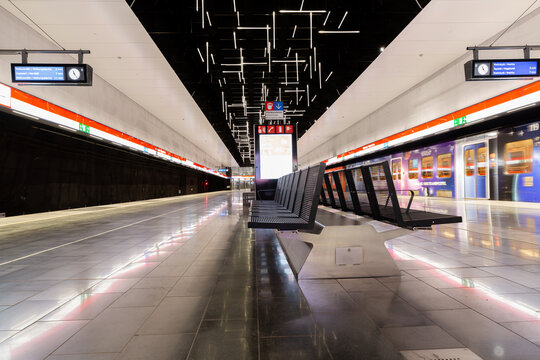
<point x="45" y="168"/>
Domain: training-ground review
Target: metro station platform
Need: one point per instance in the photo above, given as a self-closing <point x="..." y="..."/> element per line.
<point x="183" y="278"/>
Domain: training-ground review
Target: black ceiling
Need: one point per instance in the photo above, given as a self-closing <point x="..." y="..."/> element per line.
<point x="176" y="26"/>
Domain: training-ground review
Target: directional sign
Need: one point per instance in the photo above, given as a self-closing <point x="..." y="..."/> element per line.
<point x="278" y="105"/>
<point x="269" y="106"/>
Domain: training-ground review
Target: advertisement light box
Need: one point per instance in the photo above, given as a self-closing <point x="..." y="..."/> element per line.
<point x="52" y="74"/>
<point x="276" y="154"/>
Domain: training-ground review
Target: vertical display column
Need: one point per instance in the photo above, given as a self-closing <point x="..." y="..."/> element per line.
<point x="275" y="156"/>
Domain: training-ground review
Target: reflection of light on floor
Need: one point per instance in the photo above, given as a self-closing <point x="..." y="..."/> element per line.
<point x="85" y="299"/>
<point x="516" y="305"/>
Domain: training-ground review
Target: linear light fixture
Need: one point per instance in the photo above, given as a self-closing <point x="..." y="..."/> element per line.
<point x="302" y="11"/>
<point x="289" y="83"/>
<point x="219" y="81"/>
<point x="234" y="38"/>
<point x="286" y="80"/>
<point x="294" y="91"/>
<point x="274" y="28"/>
<point x="315" y="59"/>
<point x="339" y="31"/>
<point x="202" y="13"/>
<point x="310" y="68"/>
<point x="313" y="98"/>
<point x="289" y="61"/>
<point x="200" y="54"/>
<point x="343" y="19"/>
<point x="208" y="17"/>
<point x="311" y="30"/>
<point x="294" y="31"/>
<point x="297" y="76"/>
<point x="307" y="97"/>
<point x="328" y="77"/>
<point x="238" y="17"/>
<point x="252" y="27"/>
<point x="213" y="60"/>
<point x="320" y="77"/>
<point x="325" y="20"/>
<point x="225" y="81"/>
<point x="302" y="5"/>
<point x="289" y="51"/>
<point x="207" y="60"/>
<point x="234" y="5"/>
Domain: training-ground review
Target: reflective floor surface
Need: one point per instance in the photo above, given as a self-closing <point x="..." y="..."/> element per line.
<point x="184" y="278"/>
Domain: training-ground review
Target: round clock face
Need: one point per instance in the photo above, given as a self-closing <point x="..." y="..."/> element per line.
<point x="74" y="74"/>
<point x="483" y="69"/>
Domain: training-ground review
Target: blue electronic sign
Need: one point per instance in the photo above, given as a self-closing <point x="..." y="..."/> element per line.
<point x="501" y="69"/>
<point x="39" y="73"/>
<point x="51" y="74"/>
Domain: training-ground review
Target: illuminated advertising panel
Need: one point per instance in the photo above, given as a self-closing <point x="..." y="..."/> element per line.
<point x="276" y="155"/>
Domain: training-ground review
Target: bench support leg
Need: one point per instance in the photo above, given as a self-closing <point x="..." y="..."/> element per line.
<point x="341" y="252"/>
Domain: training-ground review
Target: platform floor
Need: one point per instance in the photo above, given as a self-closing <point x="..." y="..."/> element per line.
<point x="184" y="278"/>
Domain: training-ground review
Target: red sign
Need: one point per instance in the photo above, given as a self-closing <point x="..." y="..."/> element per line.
<point x="269" y="106"/>
<point x="289" y="129"/>
<point x="262" y="129"/>
<point x="271" y="129"/>
<point x="279" y="129"/>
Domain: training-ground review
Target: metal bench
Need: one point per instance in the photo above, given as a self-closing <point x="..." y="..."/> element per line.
<point x="298" y="209"/>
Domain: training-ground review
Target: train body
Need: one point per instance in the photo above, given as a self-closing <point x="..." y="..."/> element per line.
<point x="497" y="165"/>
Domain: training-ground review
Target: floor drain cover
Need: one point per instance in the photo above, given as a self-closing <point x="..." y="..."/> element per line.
<point x="440" y="354"/>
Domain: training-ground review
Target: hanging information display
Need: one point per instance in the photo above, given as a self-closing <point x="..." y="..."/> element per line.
<point x="501" y="69"/>
<point x="52" y="74"/>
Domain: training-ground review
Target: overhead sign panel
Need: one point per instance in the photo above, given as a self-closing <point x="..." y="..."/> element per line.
<point x="501" y="69"/>
<point x="273" y="110"/>
<point x="52" y="74"/>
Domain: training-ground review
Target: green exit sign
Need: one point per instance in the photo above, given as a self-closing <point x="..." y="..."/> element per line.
<point x="460" y="121"/>
<point x="84" y="128"/>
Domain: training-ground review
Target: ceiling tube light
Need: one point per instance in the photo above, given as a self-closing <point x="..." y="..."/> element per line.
<point x="325" y="20"/>
<point x="239" y="77"/>
<point x="289" y="51"/>
<point x="269" y="58"/>
<point x="307" y="97"/>
<point x="234" y="5"/>
<point x="311" y="30"/>
<point x="305" y="67"/>
<point x="234" y="38"/>
<point x="302" y="5"/>
<point x="310" y="68"/>
<point x="225" y="81"/>
<point x="219" y="81"/>
<point x="274" y="28"/>
<point x="200" y="54"/>
<point x="207" y="60"/>
<point x="197" y="5"/>
<point x="208" y="17"/>
<point x="263" y="74"/>
<point x="320" y="77"/>
<point x="328" y="77"/>
<point x="223" y="101"/>
<point x="301" y="97"/>
<point x="381" y="49"/>
<point x="339" y="31"/>
<point x="286" y="80"/>
<point x="342" y="20"/>
<point x="302" y="11"/>
<point x="296" y="96"/>
<point x="213" y="60"/>
<point x="241" y="62"/>
<point x="315" y="58"/>
<point x="279" y="94"/>
<point x="202" y="13"/>
<point x="265" y="51"/>
<point x="294" y="31"/>
<point x="297" y="75"/>
<point x="238" y="17"/>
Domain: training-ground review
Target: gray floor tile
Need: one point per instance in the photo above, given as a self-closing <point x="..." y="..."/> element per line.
<point x="64" y="290"/>
<point x="101" y="356"/>
<point x="19" y="316"/>
<point x="484" y="337"/>
<point x="8" y="297"/>
<point x="39" y="340"/>
<point x="175" y="315"/>
<point x="194" y="286"/>
<point x="83" y="307"/>
<point x="420" y="337"/>
<point x="529" y="330"/>
<point x="488" y="305"/>
<point x="162" y="347"/>
<point x="109" y="332"/>
<point x="423" y="297"/>
<point x="140" y="297"/>
<point x="113" y="286"/>
<point x="519" y="276"/>
<point x="6" y="334"/>
<point x="157" y="282"/>
<point x="367" y="284"/>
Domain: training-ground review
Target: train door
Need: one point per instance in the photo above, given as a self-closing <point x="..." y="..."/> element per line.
<point x="475" y="161"/>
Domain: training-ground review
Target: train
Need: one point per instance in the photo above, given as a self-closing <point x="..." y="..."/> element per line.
<point x="503" y="164"/>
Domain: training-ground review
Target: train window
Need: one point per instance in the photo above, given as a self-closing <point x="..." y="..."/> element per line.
<point x="469" y="162"/>
<point x="444" y="165"/>
<point x="396" y="169"/>
<point x="518" y="157"/>
<point x="382" y="176"/>
<point x="482" y="161"/>
<point x="374" y="171"/>
<point x="427" y="167"/>
<point x="413" y="168"/>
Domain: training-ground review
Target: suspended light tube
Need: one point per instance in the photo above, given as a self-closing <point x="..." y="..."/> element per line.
<point x="325" y="20"/>
<point x="328" y="77"/>
<point x="320" y="77"/>
<point x="342" y="20"/>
